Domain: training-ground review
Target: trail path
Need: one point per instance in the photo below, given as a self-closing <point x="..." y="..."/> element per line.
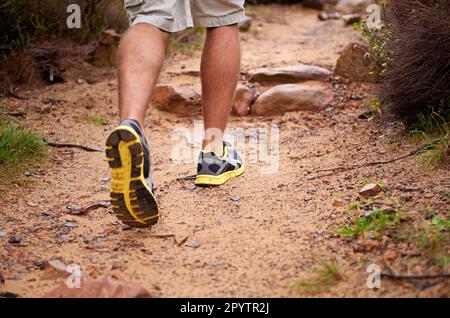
<point x="259" y="245"/>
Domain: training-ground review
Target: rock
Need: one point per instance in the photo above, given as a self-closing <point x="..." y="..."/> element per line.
<point x="314" y="4"/>
<point x="353" y="65"/>
<point x="193" y="245"/>
<point x="58" y="266"/>
<point x="16" y="239"/>
<point x="243" y="99"/>
<point x="70" y="224"/>
<point x="293" y="97"/>
<point x="2" y="234"/>
<point x="370" y="190"/>
<point x="27" y="173"/>
<point x="324" y="16"/>
<point x="390" y="255"/>
<point x="289" y="74"/>
<point x="352" y="6"/>
<point x="109" y="287"/>
<point x="109" y="37"/>
<point x="106" y="52"/>
<point x="32" y="204"/>
<point x="338" y="203"/>
<point x="236" y="198"/>
<point x="365" y="245"/>
<point x="40" y="264"/>
<point x="245" y="24"/>
<point x="176" y="99"/>
<point x="349" y="19"/>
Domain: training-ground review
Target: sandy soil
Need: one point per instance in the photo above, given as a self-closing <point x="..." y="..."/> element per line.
<point x="261" y="245"/>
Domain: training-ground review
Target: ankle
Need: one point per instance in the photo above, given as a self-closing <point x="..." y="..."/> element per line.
<point x="216" y="147"/>
<point x="136" y="121"/>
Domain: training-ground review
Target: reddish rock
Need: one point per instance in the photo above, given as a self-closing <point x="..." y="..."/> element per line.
<point x="106" y="52"/>
<point x="390" y="255"/>
<point x="289" y="74"/>
<point x="338" y="203"/>
<point x="109" y="37"/>
<point x="293" y="97"/>
<point x="176" y="99"/>
<point x="243" y="99"/>
<point x="370" y="190"/>
<point x="365" y="245"/>
<point x="353" y="64"/>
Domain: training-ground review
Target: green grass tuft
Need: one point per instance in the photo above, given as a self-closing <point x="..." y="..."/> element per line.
<point x="19" y="148"/>
<point x="374" y="223"/>
<point x="98" y="121"/>
<point x="324" y="277"/>
<point x="435" y="131"/>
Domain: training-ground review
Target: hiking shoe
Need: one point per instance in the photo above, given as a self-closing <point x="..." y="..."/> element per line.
<point x="213" y="170"/>
<point x="132" y="194"/>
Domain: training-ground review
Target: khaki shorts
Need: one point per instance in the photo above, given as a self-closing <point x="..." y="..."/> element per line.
<point x="177" y="15"/>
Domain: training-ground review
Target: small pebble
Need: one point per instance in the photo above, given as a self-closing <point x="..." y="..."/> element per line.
<point x="41" y="264"/>
<point x="70" y="224"/>
<point x="236" y="198"/>
<point x="193" y="245"/>
<point x="32" y="204"/>
<point x="15" y="239"/>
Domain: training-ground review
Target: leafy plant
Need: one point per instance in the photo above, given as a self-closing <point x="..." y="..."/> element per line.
<point x="379" y="54"/>
<point x="374" y="222"/>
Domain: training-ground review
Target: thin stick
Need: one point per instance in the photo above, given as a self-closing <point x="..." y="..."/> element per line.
<point x="63" y="145"/>
<point x="15" y="95"/>
<point x="408" y="277"/>
<point x="335" y="170"/>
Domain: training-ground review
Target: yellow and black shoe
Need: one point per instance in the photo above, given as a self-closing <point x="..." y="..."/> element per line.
<point x="213" y="170"/>
<point x="132" y="194"/>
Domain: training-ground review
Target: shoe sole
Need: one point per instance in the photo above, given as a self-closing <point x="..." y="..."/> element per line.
<point x="132" y="201"/>
<point x="208" y="180"/>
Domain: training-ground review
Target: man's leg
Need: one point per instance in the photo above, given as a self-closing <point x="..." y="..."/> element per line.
<point x="141" y="55"/>
<point x="220" y="73"/>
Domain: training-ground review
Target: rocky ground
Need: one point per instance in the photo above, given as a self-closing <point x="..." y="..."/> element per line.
<point x="262" y="235"/>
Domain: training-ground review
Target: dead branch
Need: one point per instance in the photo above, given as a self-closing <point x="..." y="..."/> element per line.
<point x="413" y="277"/>
<point x="64" y="145"/>
<point x="90" y="207"/>
<point x="16" y="114"/>
<point x="12" y="92"/>
<point x="335" y="170"/>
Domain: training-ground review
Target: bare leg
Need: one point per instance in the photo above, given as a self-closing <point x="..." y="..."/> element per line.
<point x="141" y="54"/>
<point x="220" y="73"/>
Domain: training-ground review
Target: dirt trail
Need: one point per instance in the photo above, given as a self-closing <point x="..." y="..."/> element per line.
<point x="282" y="226"/>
